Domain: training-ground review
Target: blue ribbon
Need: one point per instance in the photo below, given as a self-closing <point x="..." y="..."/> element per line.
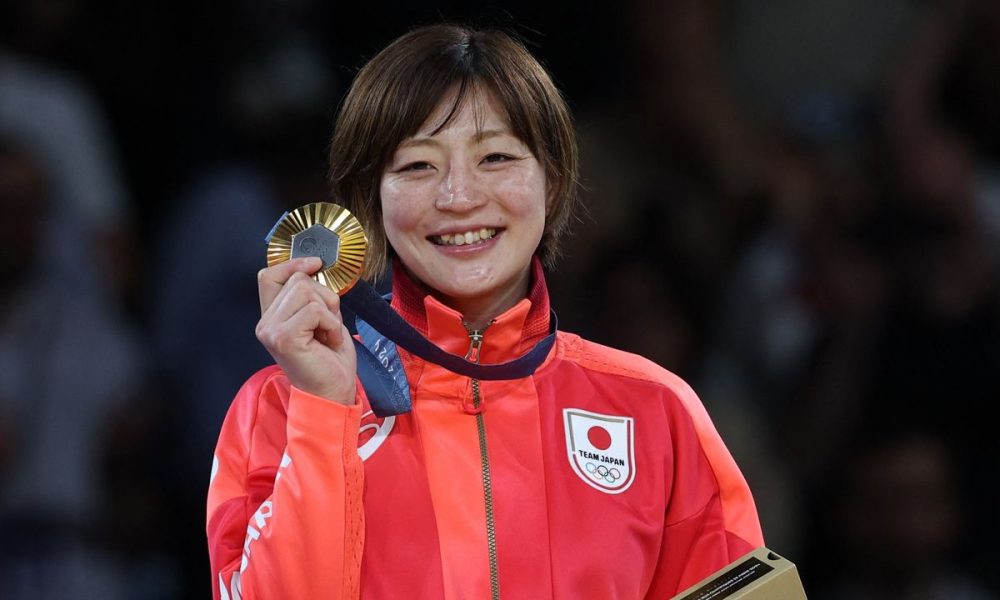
<point x="377" y="356"/>
<point x="380" y="370"/>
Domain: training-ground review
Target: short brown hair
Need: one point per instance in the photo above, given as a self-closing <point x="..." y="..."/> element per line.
<point x="398" y="90"/>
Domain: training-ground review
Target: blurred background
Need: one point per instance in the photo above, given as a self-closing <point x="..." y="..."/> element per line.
<point x="793" y="204"/>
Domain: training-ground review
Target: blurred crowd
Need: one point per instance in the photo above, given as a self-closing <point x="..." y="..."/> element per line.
<point x="793" y="204"/>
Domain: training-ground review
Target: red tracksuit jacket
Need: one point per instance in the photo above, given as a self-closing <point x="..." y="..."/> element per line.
<point x="601" y="476"/>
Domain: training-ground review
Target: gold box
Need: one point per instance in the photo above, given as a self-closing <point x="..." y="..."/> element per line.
<point x="759" y="575"/>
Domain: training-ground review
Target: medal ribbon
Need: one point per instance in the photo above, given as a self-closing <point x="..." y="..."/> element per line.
<point x="380" y="370"/>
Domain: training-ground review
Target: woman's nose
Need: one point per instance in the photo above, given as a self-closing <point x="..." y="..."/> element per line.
<point x="460" y="191"/>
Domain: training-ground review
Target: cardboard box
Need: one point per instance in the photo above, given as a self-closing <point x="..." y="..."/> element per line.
<point x="760" y="575"/>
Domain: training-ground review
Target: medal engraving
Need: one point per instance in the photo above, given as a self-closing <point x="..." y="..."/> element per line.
<point x="316" y="241"/>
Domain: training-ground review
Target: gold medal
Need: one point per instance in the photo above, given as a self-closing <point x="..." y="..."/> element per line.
<point x="328" y="231"/>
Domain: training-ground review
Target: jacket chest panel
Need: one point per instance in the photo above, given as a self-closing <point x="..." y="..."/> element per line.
<point x="553" y="531"/>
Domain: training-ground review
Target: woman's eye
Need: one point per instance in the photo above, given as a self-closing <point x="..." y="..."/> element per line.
<point x="497" y="158"/>
<point x="416" y="166"/>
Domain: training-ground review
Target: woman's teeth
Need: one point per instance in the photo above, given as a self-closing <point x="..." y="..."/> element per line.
<point x="461" y="239"/>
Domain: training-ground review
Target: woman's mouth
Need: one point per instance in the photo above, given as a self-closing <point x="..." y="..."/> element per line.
<point x="465" y="238"/>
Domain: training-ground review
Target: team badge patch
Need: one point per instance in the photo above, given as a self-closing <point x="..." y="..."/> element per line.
<point x="601" y="449"/>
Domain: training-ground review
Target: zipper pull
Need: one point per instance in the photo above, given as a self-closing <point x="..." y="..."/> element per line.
<point x="473" y="404"/>
<point x="475" y="345"/>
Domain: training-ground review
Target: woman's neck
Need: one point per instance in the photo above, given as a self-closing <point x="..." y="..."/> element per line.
<point x="479" y="311"/>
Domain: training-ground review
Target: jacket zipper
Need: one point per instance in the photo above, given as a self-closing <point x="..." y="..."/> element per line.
<point x="475" y="347"/>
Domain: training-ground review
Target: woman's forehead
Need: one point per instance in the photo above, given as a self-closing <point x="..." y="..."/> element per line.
<point x="477" y="109"/>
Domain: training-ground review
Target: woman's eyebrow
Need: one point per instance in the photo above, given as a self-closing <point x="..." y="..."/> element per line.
<point x="479" y="137"/>
<point x="419" y="141"/>
<point x="489" y="133"/>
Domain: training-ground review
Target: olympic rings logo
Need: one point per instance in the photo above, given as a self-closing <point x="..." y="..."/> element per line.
<point x="601" y="472"/>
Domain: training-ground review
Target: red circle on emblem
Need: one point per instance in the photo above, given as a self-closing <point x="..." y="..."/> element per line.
<point x="599" y="437"/>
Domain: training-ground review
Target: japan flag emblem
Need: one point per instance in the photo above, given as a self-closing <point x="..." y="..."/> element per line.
<point x="601" y="449"/>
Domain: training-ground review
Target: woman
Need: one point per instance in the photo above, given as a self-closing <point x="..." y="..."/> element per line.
<point x="600" y="476"/>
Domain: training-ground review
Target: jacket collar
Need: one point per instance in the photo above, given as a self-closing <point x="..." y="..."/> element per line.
<point x="512" y="333"/>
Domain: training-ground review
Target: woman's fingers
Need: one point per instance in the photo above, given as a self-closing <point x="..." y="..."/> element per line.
<point x="281" y="324"/>
<point x="271" y="280"/>
<point x="295" y="333"/>
<point x="299" y="290"/>
<point x="333" y="337"/>
<point x="301" y="326"/>
<point x="329" y="297"/>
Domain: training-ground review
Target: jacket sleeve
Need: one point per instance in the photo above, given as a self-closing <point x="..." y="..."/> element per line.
<point x="285" y="516"/>
<point x="711" y="518"/>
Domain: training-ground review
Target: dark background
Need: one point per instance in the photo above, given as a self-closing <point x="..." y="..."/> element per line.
<point x="793" y="204"/>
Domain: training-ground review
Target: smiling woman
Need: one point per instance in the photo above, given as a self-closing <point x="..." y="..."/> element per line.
<point x="464" y="208"/>
<point x="599" y="475"/>
<point x="418" y="85"/>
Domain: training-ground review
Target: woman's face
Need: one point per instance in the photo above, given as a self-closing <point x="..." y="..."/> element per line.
<point x="464" y="208"/>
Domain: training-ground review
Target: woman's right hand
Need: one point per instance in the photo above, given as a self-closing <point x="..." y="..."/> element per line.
<point x="301" y="326"/>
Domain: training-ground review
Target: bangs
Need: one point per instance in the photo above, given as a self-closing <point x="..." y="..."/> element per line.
<point x="458" y="75"/>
